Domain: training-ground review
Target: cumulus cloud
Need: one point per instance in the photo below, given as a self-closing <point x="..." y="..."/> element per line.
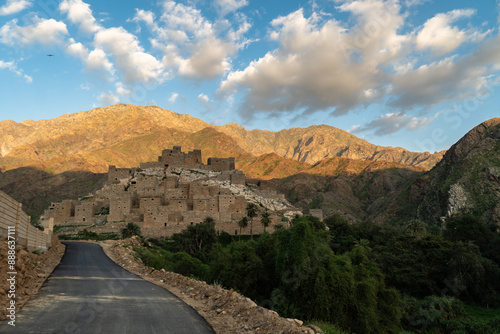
<point x="393" y="122"/>
<point x="134" y="63"/>
<point x="95" y="61"/>
<point x="122" y="90"/>
<point x="113" y="45"/>
<point x="227" y="6"/>
<point x="451" y="79"/>
<point x="314" y="69"/>
<point x="14" y="6"/>
<point x="324" y="64"/>
<point x="11" y="66"/>
<point x="203" y="98"/>
<point x="440" y="37"/>
<point x="108" y="98"/>
<point x="41" y="31"/>
<point x="173" y="97"/>
<point x="192" y="45"/>
<point x="79" y="13"/>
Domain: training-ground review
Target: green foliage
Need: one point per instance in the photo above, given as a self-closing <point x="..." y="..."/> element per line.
<point x="196" y="240"/>
<point x="348" y="290"/>
<point x="348" y="275"/>
<point x="181" y="263"/>
<point x="238" y="266"/>
<point x="266" y="219"/>
<point x="103" y="211"/>
<point x="252" y="210"/>
<point x="328" y="328"/>
<point x="469" y="228"/>
<point x="130" y="230"/>
<point x="225" y="238"/>
<point x="187" y="265"/>
<point x="445" y="314"/>
<point x="89" y="235"/>
<point x="242" y="223"/>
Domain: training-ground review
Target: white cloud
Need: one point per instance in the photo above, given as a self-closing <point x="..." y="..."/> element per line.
<point x="192" y="45"/>
<point x="173" y="97"/>
<point x="79" y="12"/>
<point x="95" y="61"/>
<point x="410" y="3"/>
<point x="14" y="6"/>
<point x="108" y="98"/>
<point x="319" y="64"/>
<point x="440" y="37"/>
<point x="11" y="66"/>
<point x="227" y="6"/>
<point x="134" y="64"/>
<point x="41" y="31"/>
<point x="208" y="61"/>
<point x="393" y="122"/>
<point x="145" y="16"/>
<point x="323" y="64"/>
<point x="121" y="90"/>
<point x="203" y="98"/>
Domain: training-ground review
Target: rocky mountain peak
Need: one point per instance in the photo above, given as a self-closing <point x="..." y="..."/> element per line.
<point x="473" y="139"/>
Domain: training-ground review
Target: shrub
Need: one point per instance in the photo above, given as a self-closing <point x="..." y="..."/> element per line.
<point x="130" y="230"/>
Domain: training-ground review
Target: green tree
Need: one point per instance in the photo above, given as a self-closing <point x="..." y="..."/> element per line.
<point x="196" y="240"/>
<point x="130" y="230"/>
<point x="238" y="266"/>
<point x="243" y="223"/>
<point x="252" y="212"/>
<point x="469" y="228"/>
<point x="265" y="219"/>
<point x="314" y="283"/>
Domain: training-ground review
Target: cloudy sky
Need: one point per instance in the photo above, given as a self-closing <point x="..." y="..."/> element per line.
<point x="412" y="73"/>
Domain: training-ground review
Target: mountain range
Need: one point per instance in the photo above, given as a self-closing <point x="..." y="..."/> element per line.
<point x="316" y="167"/>
<point x="91" y="140"/>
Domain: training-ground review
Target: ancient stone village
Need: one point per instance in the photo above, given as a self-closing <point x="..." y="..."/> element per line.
<point x="165" y="196"/>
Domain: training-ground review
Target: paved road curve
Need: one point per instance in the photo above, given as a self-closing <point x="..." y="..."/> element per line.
<point x="89" y="293"/>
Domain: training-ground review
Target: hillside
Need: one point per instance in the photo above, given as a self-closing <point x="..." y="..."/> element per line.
<point x="315" y="143"/>
<point x="125" y="135"/>
<point x="356" y="189"/>
<point x="466" y="180"/>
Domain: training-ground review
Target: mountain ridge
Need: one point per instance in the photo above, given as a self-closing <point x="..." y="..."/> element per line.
<point x="33" y="142"/>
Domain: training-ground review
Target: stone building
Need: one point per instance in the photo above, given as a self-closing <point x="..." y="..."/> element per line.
<point x="158" y="197"/>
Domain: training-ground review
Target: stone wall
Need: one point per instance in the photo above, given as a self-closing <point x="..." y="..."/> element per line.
<point x="14" y="222"/>
<point x="117" y="174"/>
<point x="221" y="164"/>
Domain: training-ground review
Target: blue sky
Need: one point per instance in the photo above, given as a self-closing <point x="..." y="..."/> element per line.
<point x="412" y="73"/>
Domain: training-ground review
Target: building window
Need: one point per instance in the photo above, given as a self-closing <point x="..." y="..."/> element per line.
<point x="165" y="224"/>
<point x="83" y="219"/>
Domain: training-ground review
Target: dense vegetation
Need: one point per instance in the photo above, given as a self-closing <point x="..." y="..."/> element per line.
<point x="364" y="278"/>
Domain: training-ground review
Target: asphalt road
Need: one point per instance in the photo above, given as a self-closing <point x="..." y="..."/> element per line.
<point x="89" y="293"/>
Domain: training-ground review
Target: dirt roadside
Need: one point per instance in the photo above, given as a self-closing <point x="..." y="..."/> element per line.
<point x="32" y="269"/>
<point x="227" y="311"/>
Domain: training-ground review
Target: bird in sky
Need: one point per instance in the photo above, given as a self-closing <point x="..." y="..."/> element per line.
<point x="50" y="55"/>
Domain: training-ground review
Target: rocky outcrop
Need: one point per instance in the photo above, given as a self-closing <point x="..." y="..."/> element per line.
<point x="474" y="139"/>
<point x="32" y="270"/>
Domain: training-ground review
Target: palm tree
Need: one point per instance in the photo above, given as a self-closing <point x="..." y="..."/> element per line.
<point x="266" y="219"/>
<point x="251" y="212"/>
<point x="243" y="223"/>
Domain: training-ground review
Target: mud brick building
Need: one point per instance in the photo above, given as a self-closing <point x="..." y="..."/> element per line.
<point x="160" y="198"/>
